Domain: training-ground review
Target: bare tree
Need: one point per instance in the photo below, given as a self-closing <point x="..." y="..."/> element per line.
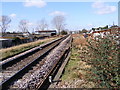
<point x="42" y="24"/>
<point x="59" y="23"/>
<point x="4" y="23"/>
<point x="23" y="25"/>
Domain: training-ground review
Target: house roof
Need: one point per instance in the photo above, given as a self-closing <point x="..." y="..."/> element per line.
<point x="111" y="30"/>
<point x="108" y="30"/>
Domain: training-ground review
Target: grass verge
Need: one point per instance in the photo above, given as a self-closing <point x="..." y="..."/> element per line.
<point x="7" y="52"/>
<point x="77" y="70"/>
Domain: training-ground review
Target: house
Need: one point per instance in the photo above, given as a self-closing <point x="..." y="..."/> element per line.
<point x="105" y="32"/>
<point x="46" y="32"/>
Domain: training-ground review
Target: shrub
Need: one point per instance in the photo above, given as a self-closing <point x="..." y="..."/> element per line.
<point x="16" y="40"/>
<point x="63" y="32"/>
<point x="105" y="61"/>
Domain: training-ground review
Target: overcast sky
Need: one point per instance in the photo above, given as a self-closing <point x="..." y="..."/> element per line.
<point x="78" y="15"/>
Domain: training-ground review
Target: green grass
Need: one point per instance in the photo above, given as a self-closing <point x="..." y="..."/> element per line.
<point x="70" y="69"/>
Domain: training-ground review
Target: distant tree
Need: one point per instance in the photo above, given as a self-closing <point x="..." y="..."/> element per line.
<point x="106" y="27"/>
<point x="23" y="25"/>
<point x="59" y="23"/>
<point x="100" y="28"/>
<point x="63" y="32"/>
<point x="93" y="29"/>
<point x="16" y="40"/>
<point x="84" y="31"/>
<point x="42" y="24"/>
<point x="8" y="32"/>
<point x="80" y="32"/>
<point x="14" y="32"/>
<point x="114" y="26"/>
<point x="4" y="23"/>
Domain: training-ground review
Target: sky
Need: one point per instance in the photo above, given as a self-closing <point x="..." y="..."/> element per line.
<point x="78" y="15"/>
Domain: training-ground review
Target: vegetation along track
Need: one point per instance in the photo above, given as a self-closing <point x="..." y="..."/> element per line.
<point x="11" y="69"/>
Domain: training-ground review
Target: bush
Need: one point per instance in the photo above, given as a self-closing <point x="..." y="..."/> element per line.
<point x="16" y="40"/>
<point x="105" y="61"/>
<point x="63" y="32"/>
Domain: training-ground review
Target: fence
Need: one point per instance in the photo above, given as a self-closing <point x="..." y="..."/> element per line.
<point x="4" y="43"/>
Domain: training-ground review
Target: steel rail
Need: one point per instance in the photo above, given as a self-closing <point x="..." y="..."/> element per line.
<point x="26" y="68"/>
<point x="17" y="59"/>
<point x="55" y="68"/>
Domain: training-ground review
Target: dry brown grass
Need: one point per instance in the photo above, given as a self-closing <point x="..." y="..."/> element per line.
<point x="6" y="52"/>
<point x="79" y="41"/>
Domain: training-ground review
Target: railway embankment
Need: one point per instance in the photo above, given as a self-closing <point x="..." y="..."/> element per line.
<point x="92" y="64"/>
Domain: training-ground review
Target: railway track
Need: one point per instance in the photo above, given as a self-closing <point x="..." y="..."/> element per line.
<point x="9" y="70"/>
<point x="44" y="85"/>
<point x="14" y="69"/>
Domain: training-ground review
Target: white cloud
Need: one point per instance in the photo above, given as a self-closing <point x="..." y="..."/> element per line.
<point x="12" y="15"/>
<point x="57" y="13"/>
<point x="103" y="8"/>
<point x="36" y="3"/>
<point x="98" y="5"/>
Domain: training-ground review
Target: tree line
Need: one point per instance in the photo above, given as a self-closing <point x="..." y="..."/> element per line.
<point x="58" y="22"/>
